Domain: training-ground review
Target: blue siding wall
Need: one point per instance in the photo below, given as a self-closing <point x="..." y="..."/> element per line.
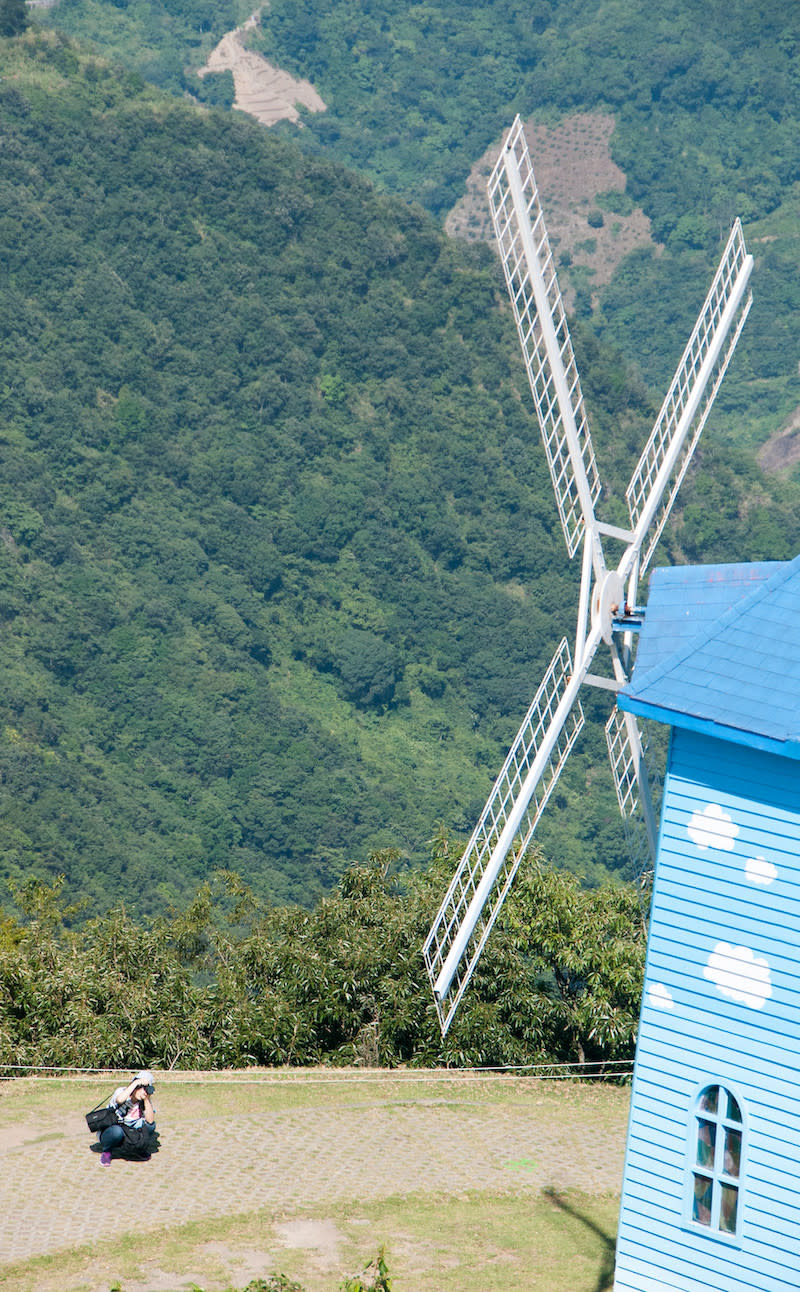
<point x="728" y="872"/>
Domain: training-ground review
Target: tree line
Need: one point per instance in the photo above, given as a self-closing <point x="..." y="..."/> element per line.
<point x="226" y="982"/>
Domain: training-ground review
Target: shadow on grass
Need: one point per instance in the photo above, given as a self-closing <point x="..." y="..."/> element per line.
<point x="605" y="1281"/>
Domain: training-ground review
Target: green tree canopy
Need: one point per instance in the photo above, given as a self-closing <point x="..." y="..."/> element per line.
<point x="226" y="982"/>
<point x="13" y="17"/>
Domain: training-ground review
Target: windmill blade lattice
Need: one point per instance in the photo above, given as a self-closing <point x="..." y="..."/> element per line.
<point x="624" y="755"/>
<point x="490" y="860"/>
<point x="542" y="326"/>
<point x="623" y="764"/>
<point x="673" y="439"/>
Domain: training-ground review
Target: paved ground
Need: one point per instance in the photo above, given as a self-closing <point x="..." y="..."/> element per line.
<point x="349" y="1141"/>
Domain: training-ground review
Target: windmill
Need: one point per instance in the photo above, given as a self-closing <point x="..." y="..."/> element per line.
<point x="607" y="611"/>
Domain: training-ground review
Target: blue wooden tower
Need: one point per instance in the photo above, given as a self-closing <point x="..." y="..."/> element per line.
<point x="711" y="1193"/>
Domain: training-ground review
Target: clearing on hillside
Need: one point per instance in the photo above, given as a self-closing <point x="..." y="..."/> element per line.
<point x="579" y="184"/>
<point x="262" y="90"/>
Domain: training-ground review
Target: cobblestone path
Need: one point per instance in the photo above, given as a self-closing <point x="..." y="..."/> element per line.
<point x="348" y="1142"/>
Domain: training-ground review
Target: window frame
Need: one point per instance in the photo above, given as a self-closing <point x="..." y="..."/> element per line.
<point x="716" y="1172"/>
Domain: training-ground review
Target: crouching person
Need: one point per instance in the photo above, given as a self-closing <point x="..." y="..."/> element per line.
<point x="134" y="1134"/>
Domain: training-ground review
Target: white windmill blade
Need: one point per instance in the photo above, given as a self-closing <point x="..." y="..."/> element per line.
<point x="546" y="345"/>
<point x="668" y="452"/>
<point x="627" y="754"/>
<point x="487" y="868"/>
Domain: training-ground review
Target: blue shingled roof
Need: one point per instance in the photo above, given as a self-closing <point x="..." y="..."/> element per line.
<point x="720" y="652"/>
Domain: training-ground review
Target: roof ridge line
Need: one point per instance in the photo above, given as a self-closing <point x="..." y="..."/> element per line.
<point x="708" y="633"/>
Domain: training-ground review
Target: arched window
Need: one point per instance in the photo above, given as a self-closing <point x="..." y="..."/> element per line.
<point x="716" y="1141"/>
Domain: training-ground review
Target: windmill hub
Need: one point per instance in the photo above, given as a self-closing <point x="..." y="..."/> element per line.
<point x="608" y="602"/>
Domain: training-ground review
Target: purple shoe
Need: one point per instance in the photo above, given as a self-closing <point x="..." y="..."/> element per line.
<point x="105" y="1158"/>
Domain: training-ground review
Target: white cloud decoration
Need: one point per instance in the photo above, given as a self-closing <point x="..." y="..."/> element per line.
<point x="658" y="997"/>
<point x="757" y="870"/>
<point x="738" y="973"/>
<point x="712" y="828"/>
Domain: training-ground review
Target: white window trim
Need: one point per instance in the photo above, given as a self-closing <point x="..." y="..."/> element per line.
<point x="712" y="1232"/>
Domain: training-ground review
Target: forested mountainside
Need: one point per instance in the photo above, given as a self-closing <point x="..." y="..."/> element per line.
<point x="705" y="101"/>
<point x="165" y="41"/>
<point x="705" y="97"/>
<point x="704" y="90"/>
<point x="280" y="561"/>
<point x="279" y="556"/>
<point x="706" y="93"/>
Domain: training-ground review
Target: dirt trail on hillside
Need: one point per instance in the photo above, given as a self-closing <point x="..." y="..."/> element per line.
<point x="262" y="90"/>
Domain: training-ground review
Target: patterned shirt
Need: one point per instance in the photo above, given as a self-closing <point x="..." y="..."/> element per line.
<point x="130" y="1111"/>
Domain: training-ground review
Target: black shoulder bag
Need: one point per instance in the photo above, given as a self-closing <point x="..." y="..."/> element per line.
<point x="100" y="1117"/>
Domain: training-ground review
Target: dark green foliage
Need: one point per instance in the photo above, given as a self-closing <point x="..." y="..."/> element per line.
<point x="217" y="89"/>
<point x="377" y="1272"/>
<point x="165" y="41"/>
<point x="706" y="94"/>
<point x="590" y="946"/>
<point x="227" y="983"/>
<point x="264" y="467"/>
<point x="13" y="17"/>
<point x="706" y="99"/>
<point x="375" y="1278"/>
<point x="276" y="1283"/>
<point x="367" y="667"/>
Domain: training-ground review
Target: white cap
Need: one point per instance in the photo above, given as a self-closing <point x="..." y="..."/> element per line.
<point x="145" y="1079"/>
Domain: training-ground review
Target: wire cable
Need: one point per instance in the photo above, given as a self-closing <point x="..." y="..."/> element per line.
<point x="555" y="1071"/>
